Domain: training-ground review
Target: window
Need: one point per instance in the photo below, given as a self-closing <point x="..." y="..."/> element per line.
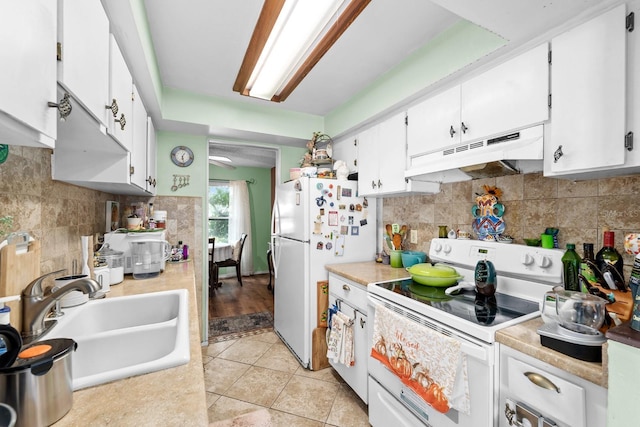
<point x="219" y="211"/>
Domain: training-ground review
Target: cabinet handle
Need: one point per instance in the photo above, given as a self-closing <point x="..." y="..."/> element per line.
<point x="122" y="121"/>
<point x="464" y="128"/>
<point x="346" y="288"/>
<point x="541" y="381"/>
<point x="451" y="131"/>
<point x="557" y="154"/>
<point x="373" y="185"/>
<point x="151" y="181"/>
<point x="64" y="107"/>
<point x="379" y="184"/>
<point x="113" y="107"/>
<point x="362" y="323"/>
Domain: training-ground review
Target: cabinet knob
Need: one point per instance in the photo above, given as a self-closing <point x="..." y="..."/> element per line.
<point x="64" y="107"/>
<point x="346" y="288"/>
<point x="463" y="127"/>
<point x="557" y="154"/>
<point x="451" y="131"/>
<point x="379" y="184"/>
<point x="122" y="121"/>
<point x="362" y="323"/>
<point x="373" y="185"/>
<point x="113" y="107"/>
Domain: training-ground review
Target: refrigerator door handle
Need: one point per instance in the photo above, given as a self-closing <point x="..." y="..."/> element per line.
<point x="276" y="256"/>
<point x="275" y="217"/>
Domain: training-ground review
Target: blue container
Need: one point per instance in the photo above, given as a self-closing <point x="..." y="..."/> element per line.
<point x="410" y="258"/>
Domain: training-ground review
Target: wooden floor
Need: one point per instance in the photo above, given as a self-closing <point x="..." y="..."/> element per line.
<point x="231" y="299"/>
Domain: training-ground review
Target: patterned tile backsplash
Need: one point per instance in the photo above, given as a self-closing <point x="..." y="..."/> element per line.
<point x="581" y="210"/>
<point x="57" y="213"/>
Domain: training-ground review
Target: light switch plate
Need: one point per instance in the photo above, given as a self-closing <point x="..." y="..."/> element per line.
<point x="414" y="236"/>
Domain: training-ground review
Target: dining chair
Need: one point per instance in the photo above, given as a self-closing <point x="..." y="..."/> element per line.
<point x="232" y="262"/>
<point x="212" y="266"/>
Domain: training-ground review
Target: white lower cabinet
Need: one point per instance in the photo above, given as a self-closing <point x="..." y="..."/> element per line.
<point x="538" y="392"/>
<point x="352" y="300"/>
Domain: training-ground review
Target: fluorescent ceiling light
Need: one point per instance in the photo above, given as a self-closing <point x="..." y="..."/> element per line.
<point x="290" y="37"/>
<point x="220" y="159"/>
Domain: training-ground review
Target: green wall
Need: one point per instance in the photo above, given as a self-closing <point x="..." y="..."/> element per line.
<point x="260" y="199"/>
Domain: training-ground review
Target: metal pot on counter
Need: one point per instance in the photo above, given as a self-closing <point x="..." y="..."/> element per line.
<point x="35" y="380"/>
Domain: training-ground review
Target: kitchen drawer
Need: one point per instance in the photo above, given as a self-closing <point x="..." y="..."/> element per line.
<point x="554" y="402"/>
<point x="347" y="290"/>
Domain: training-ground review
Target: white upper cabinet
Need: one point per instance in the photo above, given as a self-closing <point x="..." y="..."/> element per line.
<point x="83" y="68"/>
<point x="120" y="95"/>
<point x="28" y="72"/>
<point x="431" y="123"/>
<point x="139" y="124"/>
<point x="588" y="90"/>
<point x="152" y="178"/>
<point x="507" y="97"/>
<point x="510" y="96"/>
<point x="382" y="157"/>
<point x="346" y="149"/>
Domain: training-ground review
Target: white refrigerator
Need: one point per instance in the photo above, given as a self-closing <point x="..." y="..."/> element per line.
<point x="314" y="222"/>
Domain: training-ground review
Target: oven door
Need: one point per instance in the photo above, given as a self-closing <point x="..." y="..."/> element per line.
<point x="393" y="403"/>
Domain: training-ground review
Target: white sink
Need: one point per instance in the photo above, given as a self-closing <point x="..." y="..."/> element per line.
<point x="126" y="336"/>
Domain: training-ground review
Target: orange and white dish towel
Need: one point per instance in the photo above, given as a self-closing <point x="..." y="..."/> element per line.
<point x="428" y="362"/>
<point x="340" y="347"/>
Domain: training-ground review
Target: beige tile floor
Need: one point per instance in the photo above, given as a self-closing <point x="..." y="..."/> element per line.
<point x="259" y="372"/>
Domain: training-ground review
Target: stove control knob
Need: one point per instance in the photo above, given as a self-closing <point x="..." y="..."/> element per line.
<point x="527" y="259"/>
<point x="447" y="248"/>
<point x="436" y="246"/>
<point x="542" y="261"/>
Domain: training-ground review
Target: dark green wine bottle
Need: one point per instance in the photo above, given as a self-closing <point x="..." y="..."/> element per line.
<point x="609" y="259"/>
<point x="571" y="268"/>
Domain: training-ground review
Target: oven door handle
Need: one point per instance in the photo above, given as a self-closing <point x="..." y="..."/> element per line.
<point x="468" y="345"/>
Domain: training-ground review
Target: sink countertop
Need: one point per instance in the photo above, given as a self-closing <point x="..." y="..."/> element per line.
<point x="170" y="397"/>
<point x="522" y="337"/>
<point x="368" y="272"/>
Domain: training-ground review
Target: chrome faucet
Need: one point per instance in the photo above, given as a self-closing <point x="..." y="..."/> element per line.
<point x="36" y="305"/>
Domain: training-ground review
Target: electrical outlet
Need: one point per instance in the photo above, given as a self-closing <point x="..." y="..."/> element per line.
<point x="414" y="236"/>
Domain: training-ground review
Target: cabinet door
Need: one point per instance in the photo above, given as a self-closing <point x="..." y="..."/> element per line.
<point x="28" y="72"/>
<point x="434" y="124"/>
<point x="588" y="96"/>
<point x="510" y="96"/>
<point x="368" y="161"/>
<point x="347" y="149"/>
<point x="120" y="90"/>
<point x="392" y="154"/>
<point x="83" y="33"/>
<point x="151" y="157"/>
<point x="138" y="169"/>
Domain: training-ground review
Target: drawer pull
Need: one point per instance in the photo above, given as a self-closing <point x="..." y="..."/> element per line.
<point x="541" y="381"/>
<point x="346" y="288"/>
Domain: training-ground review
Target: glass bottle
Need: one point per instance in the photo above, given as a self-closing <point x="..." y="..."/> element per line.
<point x="608" y="259"/>
<point x="588" y="260"/>
<point x="571" y="268"/>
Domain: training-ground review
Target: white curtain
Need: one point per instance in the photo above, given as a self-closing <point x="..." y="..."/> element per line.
<point x="240" y="221"/>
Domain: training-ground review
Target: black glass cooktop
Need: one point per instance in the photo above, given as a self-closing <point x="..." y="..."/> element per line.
<point x="466" y="304"/>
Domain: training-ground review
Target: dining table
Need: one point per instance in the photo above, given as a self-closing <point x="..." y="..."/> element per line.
<point x="221" y="251"/>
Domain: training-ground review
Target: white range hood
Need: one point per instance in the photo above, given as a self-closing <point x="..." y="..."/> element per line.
<point x="506" y="154"/>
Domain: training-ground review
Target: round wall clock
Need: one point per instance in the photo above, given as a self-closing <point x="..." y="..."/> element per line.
<point x="182" y="156"/>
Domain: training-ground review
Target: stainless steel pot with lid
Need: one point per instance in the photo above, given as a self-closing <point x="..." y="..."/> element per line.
<point x="38" y="383"/>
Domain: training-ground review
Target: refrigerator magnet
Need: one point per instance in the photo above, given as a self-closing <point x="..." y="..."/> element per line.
<point x="329" y="245"/>
<point x="344" y="230"/>
<point x="333" y="218"/>
<point x="338" y="192"/>
<point x="339" y="246"/>
<point x="355" y="230"/>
